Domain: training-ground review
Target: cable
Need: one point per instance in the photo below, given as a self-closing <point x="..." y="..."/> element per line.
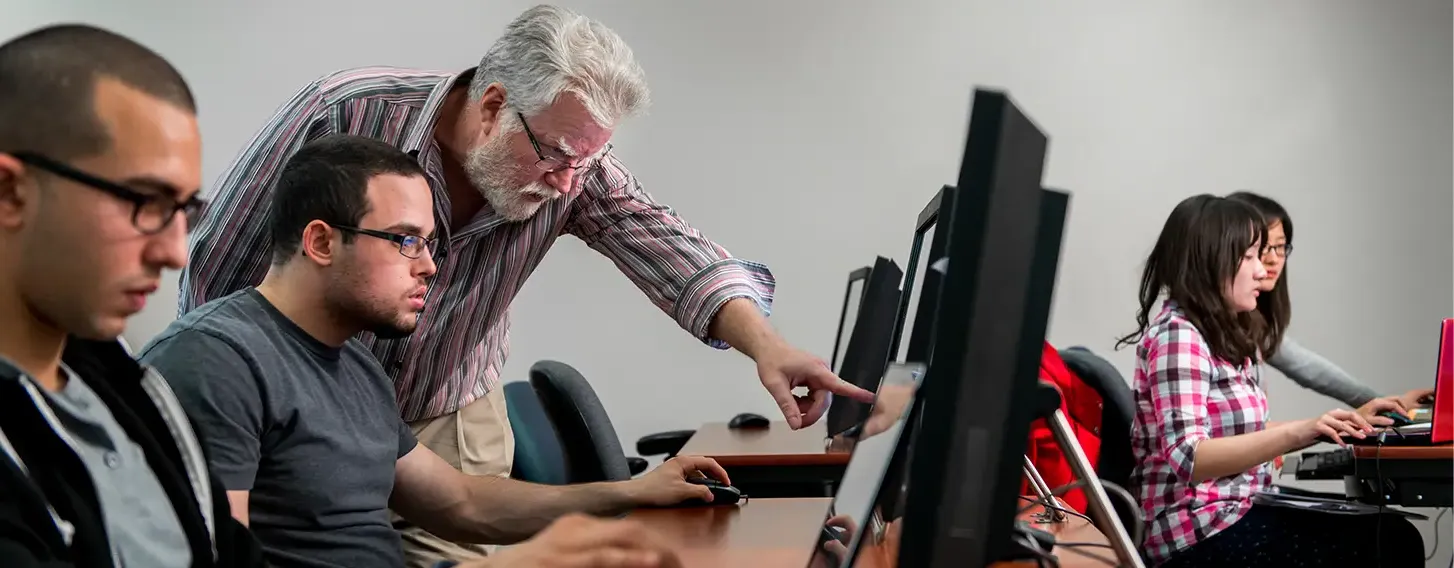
<point x="1140" y="524"/>
<point x="1437" y="518"/>
<point x="1382" y="501"/>
<point x="1042" y="557"/>
<point x="1085" y="545"/>
<point x="1038" y="502"/>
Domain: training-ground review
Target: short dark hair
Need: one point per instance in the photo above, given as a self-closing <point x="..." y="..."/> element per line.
<point x="327" y="180"/>
<point x="1275" y="306"/>
<point x="1201" y="248"/>
<point x="48" y="82"/>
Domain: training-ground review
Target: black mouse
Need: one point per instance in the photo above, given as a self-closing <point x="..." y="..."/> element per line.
<point x="722" y="494"/>
<point x="748" y="420"/>
<point x="1398" y="418"/>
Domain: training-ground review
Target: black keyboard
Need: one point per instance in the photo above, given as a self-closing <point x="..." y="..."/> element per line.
<point x="1333" y="464"/>
<point x="1414" y="435"/>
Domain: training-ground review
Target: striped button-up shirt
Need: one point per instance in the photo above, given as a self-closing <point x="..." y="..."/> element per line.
<point x="1184" y="396"/>
<point x="456" y="353"/>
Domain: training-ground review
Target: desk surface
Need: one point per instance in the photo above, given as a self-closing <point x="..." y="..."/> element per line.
<point x="781" y="533"/>
<point x="1440" y="452"/>
<point x="777" y="444"/>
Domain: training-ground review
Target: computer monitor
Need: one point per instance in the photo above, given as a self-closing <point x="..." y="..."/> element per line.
<point x="915" y="324"/>
<point x="913" y="334"/>
<point x="990" y="330"/>
<point x="853" y="517"/>
<point x="867" y="353"/>
<point x="1443" y="421"/>
<point x="852" y="298"/>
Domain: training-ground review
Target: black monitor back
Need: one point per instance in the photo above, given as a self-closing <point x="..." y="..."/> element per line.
<point x="965" y="466"/>
<point x="867" y="354"/>
<point x="852" y="300"/>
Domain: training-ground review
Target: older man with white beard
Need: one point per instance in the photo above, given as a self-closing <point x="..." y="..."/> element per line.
<point x="516" y="152"/>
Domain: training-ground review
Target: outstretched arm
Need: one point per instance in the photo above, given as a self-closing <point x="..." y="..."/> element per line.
<point x="499" y="510"/>
<point x="1320" y="375"/>
<point x="715" y="297"/>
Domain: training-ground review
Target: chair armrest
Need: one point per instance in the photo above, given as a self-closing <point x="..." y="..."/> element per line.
<point x="635" y="465"/>
<point x="663" y="443"/>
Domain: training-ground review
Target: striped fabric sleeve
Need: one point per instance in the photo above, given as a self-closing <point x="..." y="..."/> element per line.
<point x="1180" y="373"/>
<point x="686" y="275"/>
<point x="230" y="246"/>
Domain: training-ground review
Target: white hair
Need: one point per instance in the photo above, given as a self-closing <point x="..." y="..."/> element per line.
<point x="549" y="50"/>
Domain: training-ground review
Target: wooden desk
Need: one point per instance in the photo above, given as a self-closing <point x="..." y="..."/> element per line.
<point x="1442" y="452"/>
<point x="1410" y="476"/>
<point x="776" y="461"/>
<point x="782" y="533"/>
<point x="761" y="533"/>
<point x="776" y="445"/>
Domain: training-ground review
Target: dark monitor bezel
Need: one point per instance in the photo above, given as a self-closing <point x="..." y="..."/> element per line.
<point x="921" y="336"/>
<point x="867" y="355"/>
<point x="854" y="276"/>
<point x="988" y="338"/>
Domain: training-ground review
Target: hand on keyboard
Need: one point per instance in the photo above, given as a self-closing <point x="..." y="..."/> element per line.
<point x="1337" y="424"/>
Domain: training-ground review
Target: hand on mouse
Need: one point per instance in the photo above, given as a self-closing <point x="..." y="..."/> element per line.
<point x="667" y="484"/>
<point x="579" y="541"/>
<point x="1417" y="398"/>
<point x="783" y="368"/>
<point x="1384" y="404"/>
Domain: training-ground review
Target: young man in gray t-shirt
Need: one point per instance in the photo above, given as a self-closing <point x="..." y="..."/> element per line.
<point x="302" y="423"/>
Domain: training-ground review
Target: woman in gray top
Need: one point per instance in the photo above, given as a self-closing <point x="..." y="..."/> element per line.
<point x="1303" y="366"/>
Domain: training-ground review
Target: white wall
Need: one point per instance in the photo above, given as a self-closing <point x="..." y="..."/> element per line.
<point x="808" y="134"/>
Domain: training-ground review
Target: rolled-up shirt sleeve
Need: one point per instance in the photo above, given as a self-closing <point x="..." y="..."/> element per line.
<point x="683" y="273"/>
<point x="1181" y="372"/>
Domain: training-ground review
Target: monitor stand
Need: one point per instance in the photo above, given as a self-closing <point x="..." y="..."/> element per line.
<point x="1101" y="511"/>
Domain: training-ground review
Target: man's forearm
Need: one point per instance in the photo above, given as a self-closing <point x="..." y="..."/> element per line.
<point x="505" y="511"/>
<point x="742" y="325"/>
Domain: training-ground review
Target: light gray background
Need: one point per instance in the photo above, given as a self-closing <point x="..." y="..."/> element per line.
<point x="808" y="134"/>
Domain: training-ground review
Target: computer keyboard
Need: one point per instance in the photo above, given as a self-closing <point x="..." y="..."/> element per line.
<point x="1332" y="464"/>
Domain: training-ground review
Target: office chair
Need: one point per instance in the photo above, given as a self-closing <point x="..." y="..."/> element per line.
<point x="587" y="438"/>
<point x="1117" y="412"/>
<point x="538" y="455"/>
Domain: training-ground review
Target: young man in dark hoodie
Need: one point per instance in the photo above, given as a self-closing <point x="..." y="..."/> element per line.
<point x="100" y="160"/>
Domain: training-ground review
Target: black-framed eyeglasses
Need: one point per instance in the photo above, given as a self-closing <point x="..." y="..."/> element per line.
<point x="150" y="213"/>
<point x="411" y="246"/>
<point x="1281" y="251"/>
<point x="551" y="158"/>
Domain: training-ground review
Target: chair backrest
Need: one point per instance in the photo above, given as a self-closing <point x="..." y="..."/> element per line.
<point x="588" y="440"/>
<point x="538" y="455"/>
<point x="1119" y="409"/>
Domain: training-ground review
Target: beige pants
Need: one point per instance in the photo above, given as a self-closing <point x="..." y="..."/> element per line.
<point x="477" y="440"/>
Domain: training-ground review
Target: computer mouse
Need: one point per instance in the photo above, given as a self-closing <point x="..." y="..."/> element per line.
<point x="1399" y="419"/>
<point x="722" y="494"/>
<point x="748" y="420"/>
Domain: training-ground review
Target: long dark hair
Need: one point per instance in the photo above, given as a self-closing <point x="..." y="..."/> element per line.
<point x="1275" y="306"/>
<point x="1201" y="248"/>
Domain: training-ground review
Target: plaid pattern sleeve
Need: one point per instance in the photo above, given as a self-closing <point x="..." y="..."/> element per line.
<point x="1185" y="395"/>
<point x="686" y="275"/>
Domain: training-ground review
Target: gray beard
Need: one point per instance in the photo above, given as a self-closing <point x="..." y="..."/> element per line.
<point x="490" y="170"/>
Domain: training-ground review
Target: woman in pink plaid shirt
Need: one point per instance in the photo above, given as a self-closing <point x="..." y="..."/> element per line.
<point x="1201" y="437"/>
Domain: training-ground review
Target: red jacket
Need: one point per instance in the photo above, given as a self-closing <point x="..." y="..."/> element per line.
<point x="1081" y="405"/>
